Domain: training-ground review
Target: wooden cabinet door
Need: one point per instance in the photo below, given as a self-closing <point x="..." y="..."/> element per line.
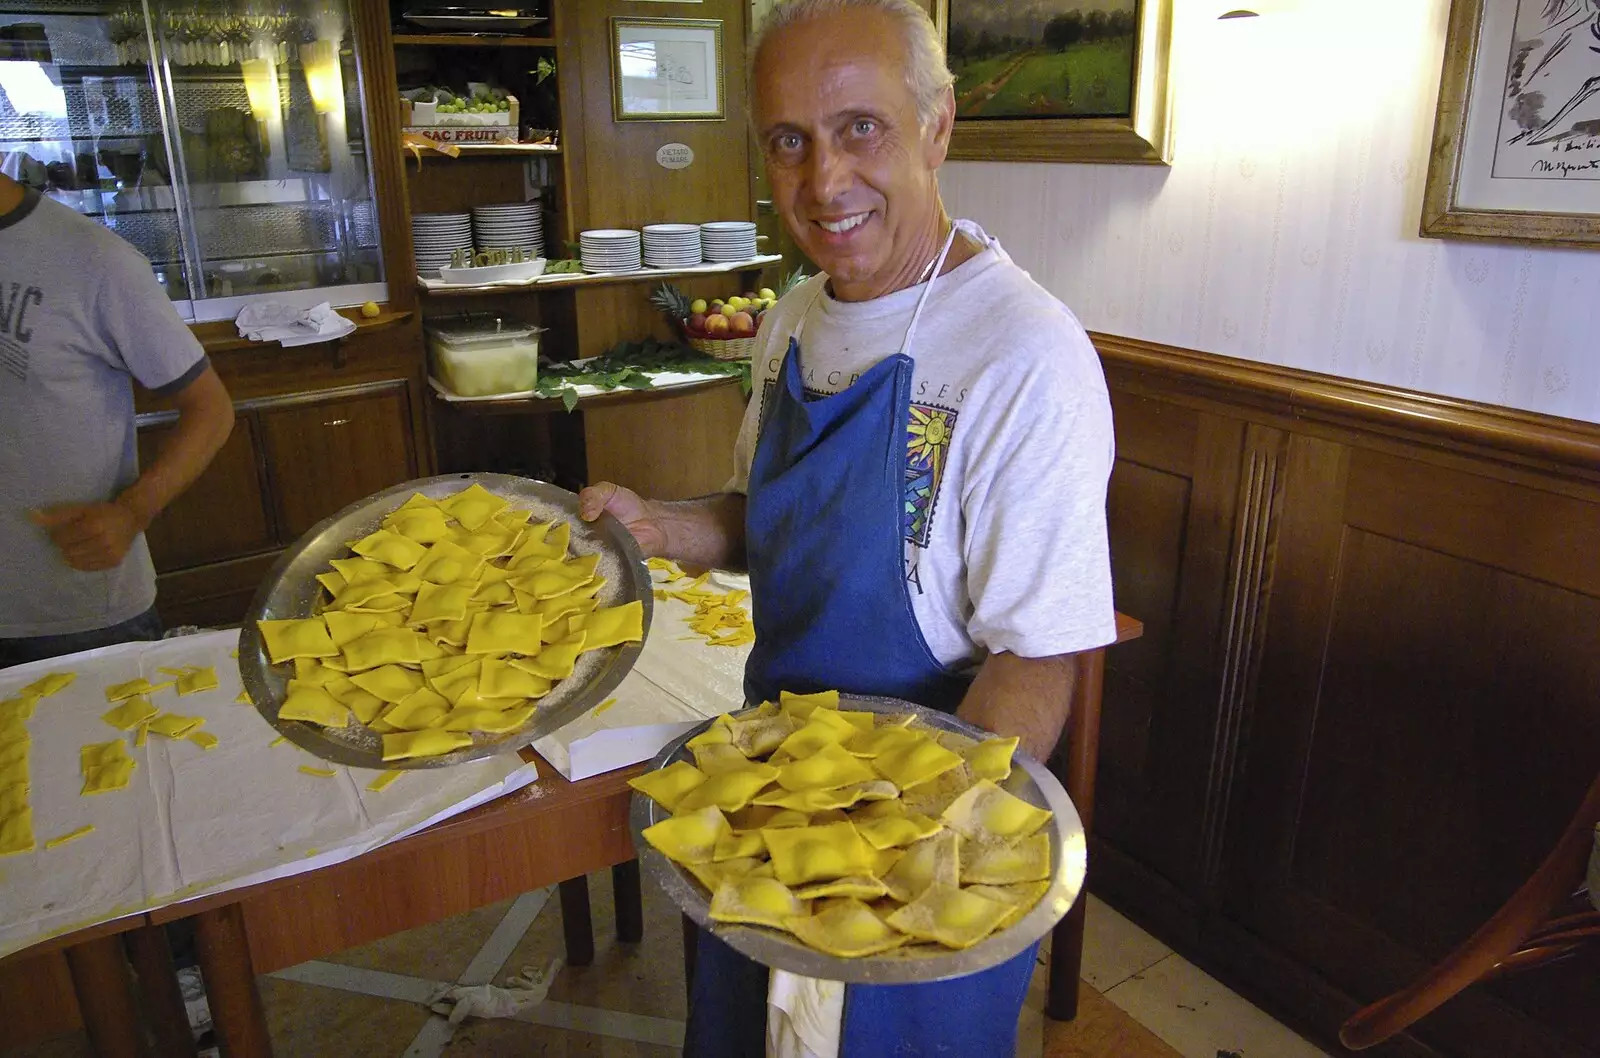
<point x="222" y="515"/>
<point x="326" y="452"/>
<point x="1424" y="726"/>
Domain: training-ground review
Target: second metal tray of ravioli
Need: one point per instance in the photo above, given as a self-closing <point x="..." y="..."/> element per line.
<point x="291" y="590"/>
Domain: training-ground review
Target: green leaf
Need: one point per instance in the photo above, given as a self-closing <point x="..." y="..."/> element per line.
<point x="569" y="398"/>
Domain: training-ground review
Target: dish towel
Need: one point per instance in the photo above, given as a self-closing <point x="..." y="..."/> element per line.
<point x="804" y="1016"/>
<point x="288" y="325"/>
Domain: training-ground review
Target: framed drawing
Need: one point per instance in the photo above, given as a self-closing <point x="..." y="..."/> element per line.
<point x="666" y="69"/>
<point x="1516" y="142"/>
<point x="1060" y="80"/>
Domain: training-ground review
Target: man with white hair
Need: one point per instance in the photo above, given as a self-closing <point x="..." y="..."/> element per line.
<point x="920" y="482"/>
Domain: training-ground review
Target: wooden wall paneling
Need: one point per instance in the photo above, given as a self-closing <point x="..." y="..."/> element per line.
<point x="375" y="52"/>
<point x="325" y="453"/>
<point x="36" y="1000"/>
<point x="606" y="315"/>
<point x="674" y="448"/>
<point x="619" y="179"/>
<point x="214" y="595"/>
<point x="455" y="185"/>
<point x="190" y="532"/>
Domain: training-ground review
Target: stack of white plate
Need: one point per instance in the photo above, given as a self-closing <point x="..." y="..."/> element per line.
<point x="436" y="236"/>
<point x="728" y="240"/>
<point x="611" y="250"/>
<point x="672" y="245"/>
<point x="507" y="226"/>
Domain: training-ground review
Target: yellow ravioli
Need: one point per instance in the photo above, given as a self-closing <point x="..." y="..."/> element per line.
<point x="690" y="838"/>
<point x="346" y="627"/>
<point x="384" y="781"/>
<point x="16" y="833"/>
<point x="827" y="769"/>
<point x="504" y="679"/>
<point x="13" y="799"/>
<point x="991" y="758"/>
<point x="489" y="542"/>
<point x="243" y="698"/>
<point x="141" y="734"/>
<point x="553" y="579"/>
<point x="574" y="602"/>
<point x="858" y="719"/>
<point x="314" y="672"/>
<point x="894" y="831"/>
<point x="334" y="581"/>
<point x="287" y="640"/>
<point x="429" y="743"/>
<point x="885" y="809"/>
<point x="756" y="902"/>
<point x="355" y="570"/>
<point x="556" y="660"/>
<point x="415" y="500"/>
<point x="495" y="596"/>
<point x="616" y="624"/>
<point x="1026" y="861"/>
<point x="1019" y="898"/>
<point x="951" y="916"/>
<point x="105" y="766"/>
<point x="425" y="525"/>
<point x="988" y="813"/>
<point x="848" y="928"/>
<point x="729" y="790"/>
<point x="490" y="721"/>
<point x="390" y="548"/>
<point x="390" y="683"/>
<point x="817" y="853"/>
<point x="906" y="766"/>
<point x="361" y="593"/>
<point x="452" y="632"/>
<point x="758" y="735"/>
<point x="821" y="799"/>
<point x="754" y="817"/>
<point x="171" y="725"/>
<point x="859" y="887"/>
<point x="801" y="706"/>
<point x="825" y="728"/>
<point x="203" y="739"/>
<point x="513" y="519"/>
<point x="542" y="544"/>
<point x="440" y="602"/>
<point x="740" y="844"/>
<point x="712" y="875"/>
<point x="313" y="704"/>
<point x="120" y="691"/>
<point x="718" y="733"/>
<point x="668" y="785"/>
<point x="131" y="713"/>
<point x="474" y="506"/>
<point x="19" y="708"/>
<point x="935" y="860"/>
<point x="881" y="740"/>
<point x="71" y="835"/>
<point x="507" y="633"/>
<point x="417" y="710"/>
<point x="453" y="682"/>
<point x="934" y="796"/>
<point x="449" y="563"/>
<point x="383" y="646"/>
<point x="719" y="757"/>
<point x="45" y="686"/>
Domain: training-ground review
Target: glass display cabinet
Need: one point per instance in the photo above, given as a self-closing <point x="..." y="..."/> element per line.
<point x="226" y="141"/>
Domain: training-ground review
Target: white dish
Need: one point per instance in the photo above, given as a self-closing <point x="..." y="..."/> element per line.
<point x="492" y="273"/>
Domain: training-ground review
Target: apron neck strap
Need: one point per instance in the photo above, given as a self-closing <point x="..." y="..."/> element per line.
<point x="927" y="288"/>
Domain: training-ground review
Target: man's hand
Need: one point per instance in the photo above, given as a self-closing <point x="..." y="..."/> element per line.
<point x="636" y="515"/>
<point x="90" y="536"/>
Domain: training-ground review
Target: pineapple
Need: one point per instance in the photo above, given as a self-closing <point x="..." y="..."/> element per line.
<point x="672" y="302"/>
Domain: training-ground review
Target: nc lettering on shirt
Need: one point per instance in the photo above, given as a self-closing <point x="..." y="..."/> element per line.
<point x="15" y="334"/>
<point x="940" y="392"/>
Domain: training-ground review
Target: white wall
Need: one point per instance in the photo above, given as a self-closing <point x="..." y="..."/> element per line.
<point x="1286" y="230"/>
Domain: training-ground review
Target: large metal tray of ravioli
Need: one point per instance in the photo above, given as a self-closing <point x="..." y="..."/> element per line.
<point x="1029" y="780"/>
<point x="291" y="590"/>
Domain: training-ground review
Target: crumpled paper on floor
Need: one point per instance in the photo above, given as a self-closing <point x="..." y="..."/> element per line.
<point x="525" y="990"/>
<point x="193" y="821"/>
<point x="290" y="325"/>
<point x="676" y="683"/>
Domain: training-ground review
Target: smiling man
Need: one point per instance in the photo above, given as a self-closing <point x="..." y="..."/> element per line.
<point x="920" y="481"/>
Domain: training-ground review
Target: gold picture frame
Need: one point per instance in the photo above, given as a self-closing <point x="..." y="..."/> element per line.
<point x="1489" y="146"/>
<point x="667" y="69"/>
<point x="1141" y="137"/>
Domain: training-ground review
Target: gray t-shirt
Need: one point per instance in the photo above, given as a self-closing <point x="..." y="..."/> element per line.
<point x="81" y="314"/>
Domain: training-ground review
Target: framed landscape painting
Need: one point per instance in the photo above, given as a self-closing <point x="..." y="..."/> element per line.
<point x="1060" y="80"/>
<point x="1516" y="142"/>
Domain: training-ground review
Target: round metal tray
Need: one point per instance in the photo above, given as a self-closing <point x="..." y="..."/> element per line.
<point x="291" y="590"/>
<point x="1029" y="780"/>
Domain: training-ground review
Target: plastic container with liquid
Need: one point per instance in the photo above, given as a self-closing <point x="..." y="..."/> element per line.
<point x="482" y="355"/>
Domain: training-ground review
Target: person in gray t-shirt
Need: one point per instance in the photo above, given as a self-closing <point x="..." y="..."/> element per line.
<point x="81" y="317"/>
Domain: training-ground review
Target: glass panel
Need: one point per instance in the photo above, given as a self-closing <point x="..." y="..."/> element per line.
<point x="266" y="107"/>
<point x="80" y="120"/>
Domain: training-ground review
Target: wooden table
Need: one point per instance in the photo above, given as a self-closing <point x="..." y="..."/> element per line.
<point x="551" y="831"/>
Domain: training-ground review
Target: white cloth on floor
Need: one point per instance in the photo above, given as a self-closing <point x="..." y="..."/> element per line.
<point x="289" y="325"/>
<point x="525" y="990"/>
<point x="804" y="1016"/>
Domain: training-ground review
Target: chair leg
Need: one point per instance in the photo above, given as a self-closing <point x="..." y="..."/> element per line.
<point x="691" y="947"/>
<point x="105" y="997"/>
<point x="159" y="994"/>
<point x="577" y="927"/>
<point x="1066" y="964"/>
<point x="628" y="897"/>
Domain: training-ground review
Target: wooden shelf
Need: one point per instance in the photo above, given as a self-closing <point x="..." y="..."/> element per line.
<point x="598" y="279"/>
<point x="462" y="40"/>
<point x="223" y="335"/>
<point x="553" y="405"/>
<point x="496" y="150"/>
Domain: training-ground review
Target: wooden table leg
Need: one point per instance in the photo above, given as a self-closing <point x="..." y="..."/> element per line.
<point x="230" y="978"/>
<point x="105" y="997"/>
<point x="1066" y="963"/>
<point x="159" y="995"/>
<point x="576" y="925"/>
<point x="629" y="900"/>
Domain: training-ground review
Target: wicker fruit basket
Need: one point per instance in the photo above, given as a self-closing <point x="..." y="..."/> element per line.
<point x="722" y="348"/>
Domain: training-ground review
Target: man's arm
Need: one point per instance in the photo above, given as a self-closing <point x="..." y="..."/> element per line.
<point x="1027" y="697"/>
<point x="706" y="532"/>
<point x="96" y="536"/>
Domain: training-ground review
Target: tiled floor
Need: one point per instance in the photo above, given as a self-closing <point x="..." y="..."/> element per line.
<point x="1139" y="1000"/>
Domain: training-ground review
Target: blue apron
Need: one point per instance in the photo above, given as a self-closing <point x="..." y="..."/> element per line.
<point x="825" y="533"/>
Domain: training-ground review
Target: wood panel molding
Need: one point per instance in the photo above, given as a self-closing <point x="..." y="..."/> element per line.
<point x="1296" y="397"/>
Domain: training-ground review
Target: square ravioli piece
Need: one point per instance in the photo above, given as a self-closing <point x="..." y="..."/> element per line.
<point x="474" y="506"/>
<point x="729" y="790"/>
<point x="817" y="853"/>
<point x="991" y="758"/>
<point x="423" y="743"/>
<point x="986" y="813"/>
<point x="847" y="928"/>
<point x="313" y="704"/>
<point x="1027" y="860"/>
<point x="909" y="765"/>
<point x="383" y="646"/>
<point x="45" y="686"/>
<point x="931" y="861"/>
<point x="390" y="548"/>
<point x="828" y="768"/>
<point x="16" y="833"/>
<point x="953" y="917"/>
<point x="690" y="838"/>
<point x="554" y="661"/>
<point x="614" y="625"/>
<point x="756" y="902"/>
<point x="296" y="638"/>
<point x="506" y="633"/>
<point x="131" y="713"/>
<point x="440" y="602"/>
<point x="667" y="786"/>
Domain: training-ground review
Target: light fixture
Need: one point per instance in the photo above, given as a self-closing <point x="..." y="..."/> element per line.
<point x="261" y="87"/>
<point x="320" y="60"/>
